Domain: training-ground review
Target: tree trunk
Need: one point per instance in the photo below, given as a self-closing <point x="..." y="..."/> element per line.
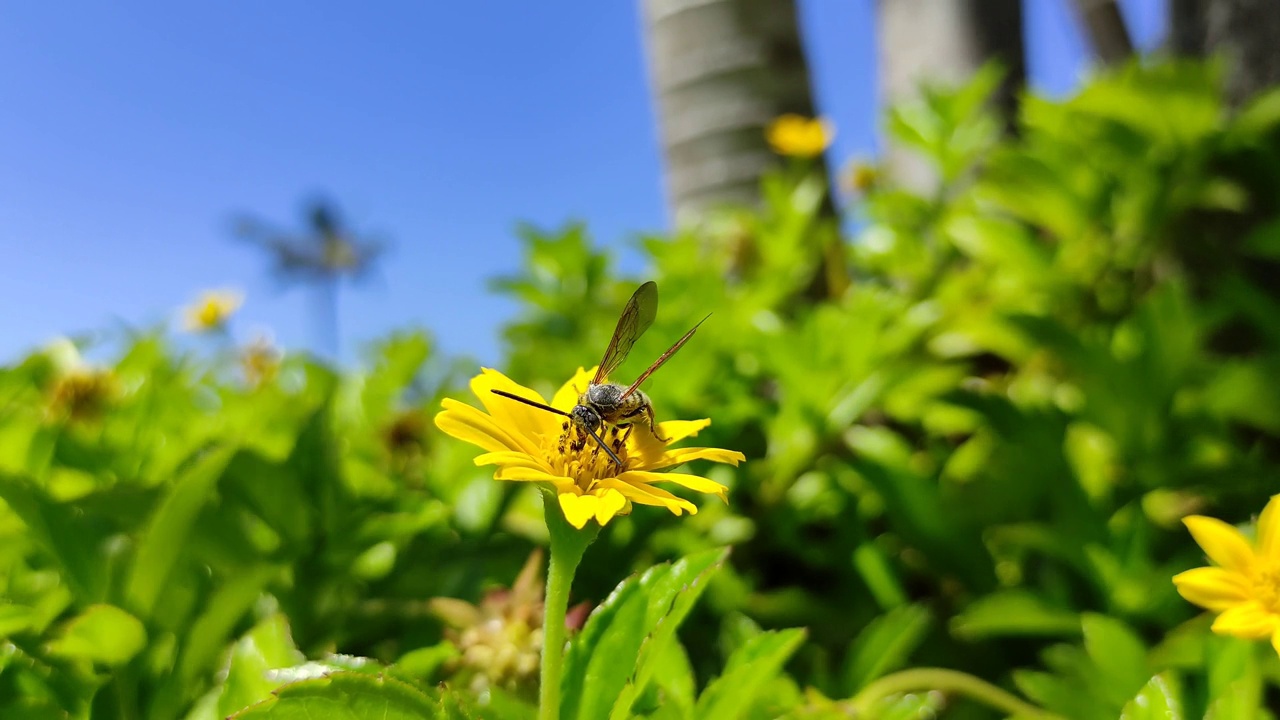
<point x="1244" y="32"/>
<point x="721" y="71"/>
<point x="944" y="42"/>
<point x="1104" y="26"/>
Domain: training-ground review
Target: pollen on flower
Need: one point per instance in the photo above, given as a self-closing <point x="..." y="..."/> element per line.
<point x="578" y="456"/>
<point x="1266" y="587"/>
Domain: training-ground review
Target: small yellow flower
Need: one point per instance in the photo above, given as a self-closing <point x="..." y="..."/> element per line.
<point x="211" y="310"/>
<point x="82" y="394"/>
<point x="1244" y="588"/>
<point x="799" y="136"/>
<point x="260" y="361"/>
<point x="861" y="177"/>
<point x="528" y="444"/>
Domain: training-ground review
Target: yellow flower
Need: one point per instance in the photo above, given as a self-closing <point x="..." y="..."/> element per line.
<point x="528" y="444"/>
<point x="799" y="136"/>
<point x="260" y="361"/>
<point x="861" y="177"/>
<point x="211" y="310"/>
<point x="82" y="394"/>
<point x="1245" y="586"/>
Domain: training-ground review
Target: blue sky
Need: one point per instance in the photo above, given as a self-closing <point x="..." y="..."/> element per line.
<point x="131" y="133"/>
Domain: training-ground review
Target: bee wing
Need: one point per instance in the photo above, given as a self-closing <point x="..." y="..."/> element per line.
<point x="663" y="358"/>
<point x="636" y="317"/>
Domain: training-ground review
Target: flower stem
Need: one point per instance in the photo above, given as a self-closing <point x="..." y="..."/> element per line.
<point x="954" y="681"/>
<point x="567" y="546"/>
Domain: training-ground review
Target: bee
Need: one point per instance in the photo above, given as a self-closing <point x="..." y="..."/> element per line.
<point x="621" y="406"/>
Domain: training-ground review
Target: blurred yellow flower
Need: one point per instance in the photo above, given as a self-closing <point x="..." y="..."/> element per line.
<point x="260" y="361"/>
<point x="1244" y="588"/>
<point x="799" y="136"/>
<point x="82" y="394"/>
<point x="528" y="444"/>
<point x="861" y="177"/>
<point x="211" y="310"/>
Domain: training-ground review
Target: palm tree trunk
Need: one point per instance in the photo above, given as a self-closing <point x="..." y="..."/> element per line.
<point x="1105" y="28"/>
<point x="721" y="70"/>
<point x="1244" y="32"/>
<point x="944" y="42"/>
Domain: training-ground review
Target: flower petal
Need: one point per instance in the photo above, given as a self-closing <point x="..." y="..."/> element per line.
<point x="531" y="475"/>
<point x="578" y="509"/>
<point x="1269" y="530"/>
<point x="677" y="430"/>
<point x="470" y="425"/>
<point x="693" y="482"/>
<point x="1221" y="542"/>
<point x="1248" y="621"/>
<point x="611" y="503"/>
<point x="1212" y="588"/>
<point x="679" y="456"/>
<point x="567" y="396"/>
<point x="511" y="458"/>
<point x="1275" y="640"/>
<point x="650" y="495"/>
<point x="524" y="423"/>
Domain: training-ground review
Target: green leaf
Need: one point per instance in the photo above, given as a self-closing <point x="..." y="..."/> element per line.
<point x="1235" y="683"/>
<point x="15" y="619"/>
<point x="103" y="634"/>
<point x="344" y="696"/>
<point x="646" y="608"/>
<point x="885" y="644"/>
<point x="1158" y="700"/>
<point x="1013" y="613"/>
<point x="1118" y="653"/>
<point x="747" y="674"/>
<point x="267" y="646"/>
<point x="75" y="545"/>
<point x="170" y="526"/>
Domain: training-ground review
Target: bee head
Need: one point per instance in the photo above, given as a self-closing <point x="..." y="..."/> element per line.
<point x="586" y="416"/>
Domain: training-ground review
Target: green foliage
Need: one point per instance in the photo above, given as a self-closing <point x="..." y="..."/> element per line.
<point x="972" y="458"/>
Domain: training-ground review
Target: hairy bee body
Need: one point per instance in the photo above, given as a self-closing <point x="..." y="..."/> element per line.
<point x="610" y="403"/>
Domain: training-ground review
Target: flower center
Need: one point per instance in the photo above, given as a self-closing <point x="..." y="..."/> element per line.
<point x="1266" y="587"/>
<point x="577" y="455"/>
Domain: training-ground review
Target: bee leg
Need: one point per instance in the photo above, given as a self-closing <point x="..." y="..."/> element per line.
<point x="653" y="425"/>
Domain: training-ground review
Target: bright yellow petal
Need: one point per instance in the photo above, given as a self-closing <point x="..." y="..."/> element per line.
<point x="611" y="503"/>
<point x="1221" y="542"/>
<point x="522" y="421"/>
<point x="1275" y="640"/>
<point x="567" y="396"/>
<point x="522" y="474"/>
<point x="677" y="430"/>
<point x="470" y="425"/>
<point x="650" y="495"/>
<point x="578" y="509"/>
<point x="679" y="456"/>
<point x="1212" y="588"/>
<point x="511" y="458"/>
<point x="1269" y="530"/>
<point x="1248" y="621"/>
<point x="693" y="482"/>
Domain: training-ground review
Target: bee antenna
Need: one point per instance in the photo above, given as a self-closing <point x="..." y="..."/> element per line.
<point x="542" y="406"/>
<point x="531" y="403"/>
